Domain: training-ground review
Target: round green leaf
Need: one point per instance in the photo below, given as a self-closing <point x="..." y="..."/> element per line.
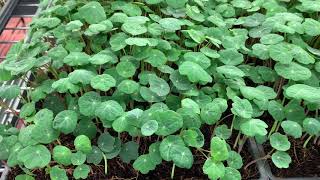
<point x="77" y="59"/>
<point x="78" y="158"/>
<point x="159" y="86"/>
<point x="109" y="110"/>
<point x="194" y="72"/>
<point x="149" y="128"/>
<point x="271" y="39"/>
<point x="62" y="155"/>
<point x="129" y="151"/>
<point x="128" y="86"/>
<point x="230" y="57"/>
<point x="311" y="126"/>
<point x="242" y="108"/>
<point x="218" y="149"/>
<point x="92" y="12"/>
<point x="156" y="58"/>
<point x="95" y="157"/>
<point x="24" y="177"/>
<point x="293" y="71"/>
<point x="82" y="143"/>
<point x="234" y="160"/>
<point x="292" y="128"/>
<point x="144" y="164"/>
<point x="279" y="142"/>
<point x="168" y="121"/>
<point x="88" y="103"/>
<point x="193" y="137"/>
<point x="57" y="173"/>
<point x="106" y="142"/>
<point x="81" y="172"/>
<point x="103" y="82"/>
<point x="81" y="76"/>
<point x="126" y="69"/>
<point x="65" y="121"/>
<point x="281" y="159"/>
<point x="213" y="169"/>
<point x="254" y="127"/>
<point x="231" y="174"/>
<point x="33" y="157"/>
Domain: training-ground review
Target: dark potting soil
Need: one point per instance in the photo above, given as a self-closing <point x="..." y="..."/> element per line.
<point x="305" y="161"/>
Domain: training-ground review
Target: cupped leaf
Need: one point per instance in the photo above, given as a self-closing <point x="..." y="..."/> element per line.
<point x="82" y="143"/>
<point x="281" y="159"/>
<point x="279" y="142"/>
<point x="311" y="126"/>
<point x="292" y="128"/>
<point x="62" y="155"/>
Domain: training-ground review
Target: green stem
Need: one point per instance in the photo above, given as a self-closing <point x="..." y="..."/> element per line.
<point x="105" y="164"/>
<point x="274" y="126"/>
<point x="237" y="139"/>
<point x="306" y="142"/>
<point x="172" y="171"/>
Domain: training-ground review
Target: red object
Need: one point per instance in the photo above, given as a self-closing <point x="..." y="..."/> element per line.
<point x="13" y="35"/>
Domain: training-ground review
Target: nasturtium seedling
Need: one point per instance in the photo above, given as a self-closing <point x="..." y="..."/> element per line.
<point x="120" y="78"/>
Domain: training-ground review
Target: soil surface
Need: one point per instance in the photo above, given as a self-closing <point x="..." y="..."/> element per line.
<point x="305" y="162"/>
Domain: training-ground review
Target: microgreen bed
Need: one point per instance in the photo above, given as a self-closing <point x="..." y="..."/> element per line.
<point x="112" y="77"/>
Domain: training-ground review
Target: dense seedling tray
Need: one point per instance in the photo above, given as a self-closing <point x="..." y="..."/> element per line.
<point x="161" y="89"/>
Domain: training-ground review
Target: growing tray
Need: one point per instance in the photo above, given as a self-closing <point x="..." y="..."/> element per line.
<point x="264" y="166"/>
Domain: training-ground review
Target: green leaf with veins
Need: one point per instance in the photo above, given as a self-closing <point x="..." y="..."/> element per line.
<point x="81" y="172"/>
<point x="279" y="142"/>
<point x="103" y="82"/>
<point x="109" y="110"/>
<point x="214" y="169"/>
<point x="293" y="71"/>
<point x="78" y="158"/>
<point x="82" y="143"/>
<point x="62" y="155"/>
<point x="37" y="156"/>
<point x="281" y="159"/>
<point x="65" y="121"/>
<point x="242" y="108"/>
<point x="88" y="103"/>
<point x="194" y="72"/>
<point x="92" y="12"/>
<point x="218" y="149"/>
<point x="292" y="128"/>
<point x="254" y="127"/>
